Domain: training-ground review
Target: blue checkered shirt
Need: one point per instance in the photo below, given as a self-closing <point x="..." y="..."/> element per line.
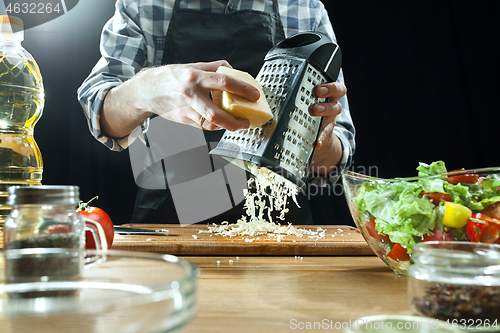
<point x="134" y="38"/>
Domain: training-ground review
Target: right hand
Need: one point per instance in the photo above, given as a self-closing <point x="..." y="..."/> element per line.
<point x="181" y="93"/>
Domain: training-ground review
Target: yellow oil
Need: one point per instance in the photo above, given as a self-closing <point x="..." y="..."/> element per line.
<point x="21" y="105"/>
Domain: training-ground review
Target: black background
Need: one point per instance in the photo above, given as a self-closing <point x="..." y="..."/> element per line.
<point x="422" y="82"/>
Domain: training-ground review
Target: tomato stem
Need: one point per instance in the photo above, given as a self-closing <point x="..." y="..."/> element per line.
<point x="83" y="206"/>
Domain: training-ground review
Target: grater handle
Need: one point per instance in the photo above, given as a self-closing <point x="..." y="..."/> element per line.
<point x="315" y="47"/>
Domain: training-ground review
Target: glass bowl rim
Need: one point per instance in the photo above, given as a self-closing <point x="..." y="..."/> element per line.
<point x="423" y="323"/>
<point x="428" y="248"/>
<point x="359" y="176"/>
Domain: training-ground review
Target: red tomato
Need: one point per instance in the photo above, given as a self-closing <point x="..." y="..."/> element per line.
<point x="436" y="197"/>
<point x="438" y="235"/>
<point x="399" y="253"/>
<point x="491" y="234"/>
<point x="483" y="228"/>
<point x="58" y="229"/>
<point x="100" y="216"/>
<point x="468" y="178"/>
<point x="370" y="227"/>
<point x="492" y="210"/>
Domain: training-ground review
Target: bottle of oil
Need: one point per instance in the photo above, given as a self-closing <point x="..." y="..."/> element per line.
<point x="21" y="105"/>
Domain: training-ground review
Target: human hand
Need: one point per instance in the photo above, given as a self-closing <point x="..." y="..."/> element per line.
<point x="181" y="93"/>
<point x="328" y="151"/>
<point x="330" y="109"/>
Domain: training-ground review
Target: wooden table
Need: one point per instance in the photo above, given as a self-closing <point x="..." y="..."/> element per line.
<point x="331" y="281"/>
<point x="283" y="294"/>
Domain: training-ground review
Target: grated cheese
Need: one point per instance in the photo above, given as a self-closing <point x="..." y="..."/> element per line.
<point x="271" y="195"/>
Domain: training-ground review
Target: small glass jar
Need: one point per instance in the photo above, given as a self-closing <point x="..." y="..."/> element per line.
<point x="42" y="218"/>
<point x="456" y="282"/>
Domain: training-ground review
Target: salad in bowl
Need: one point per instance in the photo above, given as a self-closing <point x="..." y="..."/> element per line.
<point x="395" y="214"/>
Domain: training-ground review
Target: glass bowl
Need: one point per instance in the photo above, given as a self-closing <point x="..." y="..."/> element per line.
<point x="411" y="210"/>
<point x="118" y="291"/>
<point x="456" y="282"/>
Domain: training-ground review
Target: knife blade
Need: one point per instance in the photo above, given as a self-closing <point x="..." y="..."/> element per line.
<point x="138" y="231"/>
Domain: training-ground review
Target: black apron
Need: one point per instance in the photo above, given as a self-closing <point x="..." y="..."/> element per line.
<point x="243" y="38"/>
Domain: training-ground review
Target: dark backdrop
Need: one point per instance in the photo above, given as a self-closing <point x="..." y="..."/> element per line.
<point x="422" y="82"/>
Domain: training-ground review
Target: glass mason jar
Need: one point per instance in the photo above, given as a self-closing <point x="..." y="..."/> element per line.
<point x="44" y="218"/>
<point x="457" y="282"/>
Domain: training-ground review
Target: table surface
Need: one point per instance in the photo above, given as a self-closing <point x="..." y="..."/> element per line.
<point x="271" y="293"/>
<point x="332" y="281"/>
<point x="287" y="293"/>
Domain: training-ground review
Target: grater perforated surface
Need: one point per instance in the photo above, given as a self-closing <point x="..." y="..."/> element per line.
<point x="286" y="143"/>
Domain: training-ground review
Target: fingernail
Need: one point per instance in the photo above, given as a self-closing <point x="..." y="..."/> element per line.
<point x="322" y="91"/>
<point x="320" y="109"/>
<point x="255" y="95"/>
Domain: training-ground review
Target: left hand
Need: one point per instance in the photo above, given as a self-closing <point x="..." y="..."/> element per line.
<point x="328" y="148"/>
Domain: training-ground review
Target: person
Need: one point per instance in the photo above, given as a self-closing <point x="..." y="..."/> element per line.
<point x="158" y="68"/>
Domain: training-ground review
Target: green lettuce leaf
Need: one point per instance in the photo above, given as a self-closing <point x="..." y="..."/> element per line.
<point x="400" y="212"/>
<point x="434" y="168"/>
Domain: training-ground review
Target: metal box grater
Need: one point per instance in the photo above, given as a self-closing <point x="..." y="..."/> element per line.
<point x="286" y="143"/>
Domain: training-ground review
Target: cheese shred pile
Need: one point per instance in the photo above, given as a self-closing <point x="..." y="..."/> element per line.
<point x="271" y="195"/>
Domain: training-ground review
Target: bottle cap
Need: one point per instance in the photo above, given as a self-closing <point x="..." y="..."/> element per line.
<point x="11" y="27"/>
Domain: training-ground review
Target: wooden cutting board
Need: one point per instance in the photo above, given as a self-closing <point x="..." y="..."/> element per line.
<point x="186" y="240"/>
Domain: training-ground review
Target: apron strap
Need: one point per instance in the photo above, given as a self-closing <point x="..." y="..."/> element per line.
<point x="176" y="6"/>
<point x="276" y="9"/>
<point x="146" y="140"/>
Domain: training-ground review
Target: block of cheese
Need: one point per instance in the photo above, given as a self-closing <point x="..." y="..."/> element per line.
<point x="258" y="112"/>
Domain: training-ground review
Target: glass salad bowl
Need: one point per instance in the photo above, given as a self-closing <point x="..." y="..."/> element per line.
<point x="117" y="291"/>
<point x="395" y="214"/>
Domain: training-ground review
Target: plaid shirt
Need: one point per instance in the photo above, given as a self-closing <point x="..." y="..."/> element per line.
<point x="134" y="38"/>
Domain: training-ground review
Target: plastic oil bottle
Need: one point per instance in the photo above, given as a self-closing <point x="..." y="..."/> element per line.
<point x="21" y="105"/>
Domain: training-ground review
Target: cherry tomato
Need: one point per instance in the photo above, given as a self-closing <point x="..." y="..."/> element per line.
<point x="100" y="216"/>
<point x="491" y="234"/>
<point x="398" y="253"/>
<point x="437" y="235"/>
<point x="492" y="210"/>
<point x="483" y="228"/>
<point x="58" y="229"/>
<point x="468" y="178"/>
<point x="370" y="227"/>
<point x="436" y="197"/>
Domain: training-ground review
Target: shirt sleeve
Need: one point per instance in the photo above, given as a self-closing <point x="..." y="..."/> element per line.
<point x="123" y="54"/>
<point x="344" y="128"/>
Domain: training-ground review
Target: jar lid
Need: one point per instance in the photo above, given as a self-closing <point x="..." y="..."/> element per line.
<point x="11" y="27"/>
<point x="43" y="194"/>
